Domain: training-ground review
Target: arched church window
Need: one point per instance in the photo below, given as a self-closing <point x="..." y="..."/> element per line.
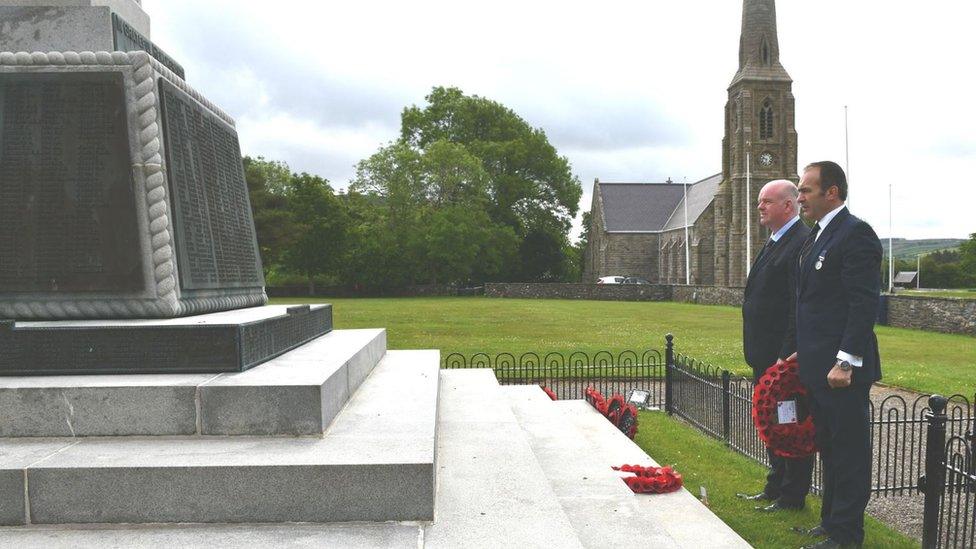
<point x="764" y="51"/>
<point x="766" y="120"/>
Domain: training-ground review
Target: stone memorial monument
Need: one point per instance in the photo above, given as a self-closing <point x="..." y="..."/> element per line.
<point x="122" y="196"/>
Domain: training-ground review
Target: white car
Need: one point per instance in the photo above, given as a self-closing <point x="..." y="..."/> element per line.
<point x="611" y="280"/>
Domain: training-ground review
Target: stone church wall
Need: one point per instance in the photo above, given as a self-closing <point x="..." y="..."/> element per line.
<point x="629" y="255"/>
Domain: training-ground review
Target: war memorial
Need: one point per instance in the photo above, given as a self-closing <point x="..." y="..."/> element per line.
<point x="150" y="398"/>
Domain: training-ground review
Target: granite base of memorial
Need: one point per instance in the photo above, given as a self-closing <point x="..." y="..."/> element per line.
<point x="230" y="341"/>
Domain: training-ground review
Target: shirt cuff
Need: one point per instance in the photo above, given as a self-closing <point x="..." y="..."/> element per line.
<point x="855" y="361"/>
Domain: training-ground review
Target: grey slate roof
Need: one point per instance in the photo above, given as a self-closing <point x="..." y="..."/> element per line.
<point x="700" y="195"/>
<point x="638" y="207"/>
<point x="653" y="207"/>
<point x="905" y="277"/>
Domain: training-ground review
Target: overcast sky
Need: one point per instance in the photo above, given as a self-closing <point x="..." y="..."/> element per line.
<point x="628" y="91"/>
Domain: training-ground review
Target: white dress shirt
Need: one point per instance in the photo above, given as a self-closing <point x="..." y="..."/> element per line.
<point x="856" y="361"/>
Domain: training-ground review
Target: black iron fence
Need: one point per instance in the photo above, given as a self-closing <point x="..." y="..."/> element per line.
<point x="568" y="375"/>
<point x="949" y="482"/>
<point x="907" y="459"/>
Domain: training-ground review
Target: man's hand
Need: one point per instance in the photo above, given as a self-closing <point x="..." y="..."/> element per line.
<point x="837" y="378"/>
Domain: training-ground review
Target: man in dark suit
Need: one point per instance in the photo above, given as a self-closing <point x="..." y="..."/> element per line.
<point x="766" y="310"/>
<point x="838" y="283"/>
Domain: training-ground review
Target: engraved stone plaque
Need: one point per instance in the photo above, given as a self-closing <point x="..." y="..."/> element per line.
<point x="215" y="240"/>
<point x="127" y="38"/>
<point x="66" y="200"/>
<point x="122" y="193"/>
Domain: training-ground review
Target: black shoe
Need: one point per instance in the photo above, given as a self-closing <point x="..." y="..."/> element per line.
<point x="761" y="496"/>
<point x="817" y="531"/>
<point x="779" y="506"/>
<point x="830" y="543"/>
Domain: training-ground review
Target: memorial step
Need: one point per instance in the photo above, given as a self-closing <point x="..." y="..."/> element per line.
<point x="228" y="341"/>
<point x="688" y="522"/>
<point x="491" y="491"/>
<point x="375" y="463"/>
<point x="601" y="508"/>
<point x="390" y="535"/>
<point x="297" y="393"/>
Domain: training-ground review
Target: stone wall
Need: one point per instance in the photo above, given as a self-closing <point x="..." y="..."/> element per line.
<point x="708" y="295"/>
<point x="424" y="290"/>
<point x="705" y="295"/>
<point x="934" y="314"/>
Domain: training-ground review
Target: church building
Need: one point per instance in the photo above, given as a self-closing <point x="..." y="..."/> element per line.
<point x="638" y="229"/>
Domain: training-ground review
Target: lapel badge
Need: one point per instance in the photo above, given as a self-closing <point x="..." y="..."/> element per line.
<point x="819" y="264"/>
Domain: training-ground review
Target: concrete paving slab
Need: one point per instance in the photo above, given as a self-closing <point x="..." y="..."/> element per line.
<point x="376" y="463"/>
<point x="491" y="491"/>
<point x="217" y="536"/>
<point x="298" y="393"/>
<point x="602" y="509"/>
<point x="689" y="523"/>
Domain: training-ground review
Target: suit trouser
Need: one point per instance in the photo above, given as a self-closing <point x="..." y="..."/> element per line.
<point x="788" y="479"/>
<point x="842" y="419"/>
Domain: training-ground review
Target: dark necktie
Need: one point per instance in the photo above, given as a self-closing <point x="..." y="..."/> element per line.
<point x="765" y="249"/>
<point x="808" y="243"/>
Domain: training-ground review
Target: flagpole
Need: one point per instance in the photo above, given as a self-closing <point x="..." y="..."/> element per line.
<point x="687" y="243"/>
<point x="891" y="248"/>
<point x="847" y="158"/>
<point x="748" y="210"/>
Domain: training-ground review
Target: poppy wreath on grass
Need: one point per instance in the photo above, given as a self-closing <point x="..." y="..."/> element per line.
<point x="651" y="480"/>
<point x="781" y="382"/>
<point x="550" y="393"/>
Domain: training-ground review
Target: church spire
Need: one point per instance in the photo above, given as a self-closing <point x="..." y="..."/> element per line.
<point x="759" y="43"/>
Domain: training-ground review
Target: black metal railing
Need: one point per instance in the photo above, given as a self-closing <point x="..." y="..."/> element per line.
<point x="949" y="482"/>
<point x="568" y="375"/>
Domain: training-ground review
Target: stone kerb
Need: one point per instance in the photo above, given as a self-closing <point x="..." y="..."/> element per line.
<point x="162" y="297"/>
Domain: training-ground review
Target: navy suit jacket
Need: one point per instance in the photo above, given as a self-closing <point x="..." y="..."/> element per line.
<point x="770" y="296"/>
<point x="837" y="303"/>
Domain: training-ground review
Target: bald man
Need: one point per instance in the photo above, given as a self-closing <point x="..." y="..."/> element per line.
<point x="769" y="302"/>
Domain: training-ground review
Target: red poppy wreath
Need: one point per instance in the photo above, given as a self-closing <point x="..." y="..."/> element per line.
<point x="781" y="384"/>
<point x="650" y="480"/>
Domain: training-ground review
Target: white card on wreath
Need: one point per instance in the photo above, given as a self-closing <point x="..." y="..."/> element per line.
<point x="787" y="411"/>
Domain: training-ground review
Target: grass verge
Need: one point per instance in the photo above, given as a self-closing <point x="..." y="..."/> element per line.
<point x="703" y="461"/>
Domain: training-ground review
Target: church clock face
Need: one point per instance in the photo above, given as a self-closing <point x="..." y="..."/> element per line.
<point x="766" y="159"/>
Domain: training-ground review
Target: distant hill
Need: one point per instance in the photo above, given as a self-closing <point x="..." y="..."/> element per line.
<point x="910" y="249"/>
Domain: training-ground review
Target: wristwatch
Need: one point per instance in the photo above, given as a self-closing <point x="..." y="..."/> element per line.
<point x="844" y="365"/>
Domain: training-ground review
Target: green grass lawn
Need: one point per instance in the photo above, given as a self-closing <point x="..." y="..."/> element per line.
<point x="922" y="361"/>
<point x="706" y="462"/>
<point x="963" y="294"/>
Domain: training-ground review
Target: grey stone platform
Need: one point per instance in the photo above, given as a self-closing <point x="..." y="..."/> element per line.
<point x="229" y="341"/>
<point x="374" y="463"/>
<point x="513" y="469"/>
<point x="298" y="393"/>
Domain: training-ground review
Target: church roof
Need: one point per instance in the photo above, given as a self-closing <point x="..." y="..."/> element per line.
<point x="700" y="195"/>
<point x="638" y="207"/>
<point x="653" y="207"/>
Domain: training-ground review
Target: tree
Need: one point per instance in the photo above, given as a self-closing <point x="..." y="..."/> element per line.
<point x="322" y="229"/>
<point x="529" y="187"/>
<point x="267" y="184"/>
<point x="967" y="255"/>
